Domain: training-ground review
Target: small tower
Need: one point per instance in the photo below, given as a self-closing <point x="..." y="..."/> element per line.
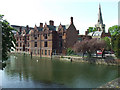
<point x="100" y="26"/>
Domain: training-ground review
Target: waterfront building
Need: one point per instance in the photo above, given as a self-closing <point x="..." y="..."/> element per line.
<point x="46" y="40"/>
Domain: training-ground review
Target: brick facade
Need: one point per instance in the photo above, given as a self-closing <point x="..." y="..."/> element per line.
<point x="46" y="40"/>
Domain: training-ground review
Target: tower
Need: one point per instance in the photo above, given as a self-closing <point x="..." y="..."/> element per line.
<point x="100" y="26"/>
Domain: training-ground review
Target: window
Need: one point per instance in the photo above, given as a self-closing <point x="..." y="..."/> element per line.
<point x="45" y="52"/>
<point x="20" y="44"/>
<point x="49" y="52"/>
<point x="45" y="36"/>
<point x="28" y="38"/>
<point x="35" y="37"/>
<point x="42" y="52"/>
<point x="38" y="51"/>
<point x="28" y="45"/>
<point x="17" y="44"/>
<point x="60" y="44"/>
<point x="60" y="37"/>
<point x="35" y="44"/>
<point x="45" y="44"/>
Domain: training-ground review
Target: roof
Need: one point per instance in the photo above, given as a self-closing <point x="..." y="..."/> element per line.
<point x="96" y="33"/>
<point x="53" y="28"/>
<point x="39" y="28"/>
<point x="64" y="27"/>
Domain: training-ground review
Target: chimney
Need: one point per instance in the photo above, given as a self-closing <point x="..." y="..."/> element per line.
<point x="71" y="20"/>
<point x="20" y="29"/>
<point x="51" y="22"/>
<point x="86" y="32"/>
<point x="41" y="25"/>
<point x="27" y="27"/>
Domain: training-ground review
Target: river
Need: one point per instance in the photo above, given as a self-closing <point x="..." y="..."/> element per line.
<point x="23" y="72"/>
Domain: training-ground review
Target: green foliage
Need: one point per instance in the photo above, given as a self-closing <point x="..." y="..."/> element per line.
<point x="92" y="29"/>
<point x="70" y="51"/>
<point x="8" y="39"/>
<point x="114" y="30"/>
<point x="115" y="39"/>
<point x="108" y="43"/>
<point x="116" y="45"/>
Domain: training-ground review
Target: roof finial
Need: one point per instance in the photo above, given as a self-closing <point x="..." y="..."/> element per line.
<point x="99" y="6"/>
<point x="45" y="23"/>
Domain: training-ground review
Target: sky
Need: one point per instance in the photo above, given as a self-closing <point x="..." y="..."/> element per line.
<point x="84" y="12"/>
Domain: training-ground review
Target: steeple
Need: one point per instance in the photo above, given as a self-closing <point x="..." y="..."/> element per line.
<point x="100" y="26"/>
<point x="100" y="20"/>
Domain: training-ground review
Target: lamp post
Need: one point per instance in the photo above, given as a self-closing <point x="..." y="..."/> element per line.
<point x="24" y="42"/>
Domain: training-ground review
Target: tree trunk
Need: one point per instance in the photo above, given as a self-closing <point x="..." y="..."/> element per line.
<point x="96" y="54"/>
<point x="89" y="54"/>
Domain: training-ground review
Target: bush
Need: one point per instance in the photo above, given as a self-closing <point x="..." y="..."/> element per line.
<point x="70" y="51"/>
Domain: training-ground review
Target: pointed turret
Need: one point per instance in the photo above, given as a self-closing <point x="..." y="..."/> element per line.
<point x="100" y="20"/>
<point x="100" y="26"/>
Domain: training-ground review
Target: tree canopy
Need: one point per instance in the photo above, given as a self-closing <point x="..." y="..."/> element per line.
<point x="8" y="39"/>
<point x="115" y="39"/>
<point x="89" y="46"/>
<point x="108" y="43"/>
<point x="92" y="29"/>
<point x="114" y="30"/>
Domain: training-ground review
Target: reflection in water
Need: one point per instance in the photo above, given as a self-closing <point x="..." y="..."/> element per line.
<point x="38" y="73"/>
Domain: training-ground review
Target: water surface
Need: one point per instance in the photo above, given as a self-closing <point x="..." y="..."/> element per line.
<point x="24" y="72"/>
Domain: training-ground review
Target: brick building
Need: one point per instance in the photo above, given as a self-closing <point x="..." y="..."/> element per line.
<point x="46" y="40"/>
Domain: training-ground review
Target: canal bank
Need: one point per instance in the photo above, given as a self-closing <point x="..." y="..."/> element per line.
<point x="109" y="60"/>
<point x="112" y="84"/>
<point x="93" y="60"/>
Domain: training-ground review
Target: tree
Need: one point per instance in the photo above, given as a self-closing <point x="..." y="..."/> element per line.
<point x="70" y="51"/>
<point x="8" y="39"/>
<point x="114" y="30"/>
<point x="92" y="29"/>
<point x="108" y="43"/>
<point x="89" y="46"/>
<point x="115" y="39"/>
<point x="116" y="45"/>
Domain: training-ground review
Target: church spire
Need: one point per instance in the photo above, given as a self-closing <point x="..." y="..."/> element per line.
<point x="100" y="20"/>
<point x="100" y="26"/>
